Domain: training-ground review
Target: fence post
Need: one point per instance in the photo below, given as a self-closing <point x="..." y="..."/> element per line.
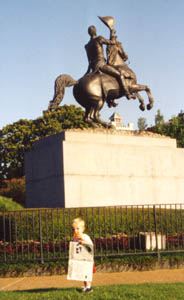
<point x="156" y="232"/>
<point x="4" y="235"/>
<point x="41" y="241"/>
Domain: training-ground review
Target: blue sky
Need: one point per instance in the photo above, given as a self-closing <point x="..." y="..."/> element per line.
<point x="41" y="39"/>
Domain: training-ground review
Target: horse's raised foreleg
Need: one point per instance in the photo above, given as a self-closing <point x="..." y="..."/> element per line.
<point x="138" y="88"/>
<point x="141" y="100"/>
<point x="150" y="97"/>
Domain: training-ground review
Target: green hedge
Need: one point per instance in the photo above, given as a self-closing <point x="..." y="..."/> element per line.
<point x="131" y="262"/>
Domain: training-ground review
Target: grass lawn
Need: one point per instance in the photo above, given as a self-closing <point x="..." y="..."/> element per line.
<point x="147" y="291"/>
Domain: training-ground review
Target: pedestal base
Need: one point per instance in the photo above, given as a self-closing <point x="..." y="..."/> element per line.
<point x="88" y="169"/>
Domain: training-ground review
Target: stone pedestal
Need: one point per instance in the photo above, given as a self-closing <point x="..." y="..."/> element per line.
<point x="88" y="169"/>
<point x="151" y="241"/>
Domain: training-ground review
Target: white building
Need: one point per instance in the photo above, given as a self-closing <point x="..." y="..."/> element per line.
<point x="116" y="121"/>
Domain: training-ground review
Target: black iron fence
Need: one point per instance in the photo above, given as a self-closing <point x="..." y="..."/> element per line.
<point x="44" y="234"/>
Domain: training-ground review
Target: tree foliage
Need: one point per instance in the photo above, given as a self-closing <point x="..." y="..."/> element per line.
<point x="173" y="128"/>
<point x="18" y="137"/>
<point x="141" y="123"/>
<point x="159" y="118"/>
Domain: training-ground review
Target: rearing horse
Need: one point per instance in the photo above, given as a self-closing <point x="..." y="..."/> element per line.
<point x="94" y="89"/>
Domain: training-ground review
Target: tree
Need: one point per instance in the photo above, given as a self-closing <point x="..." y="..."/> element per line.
<point x="17" y="138"/>
<point x="141" y="123"/>
<point x="173" y="128"/>
<point x="159" y="118"/>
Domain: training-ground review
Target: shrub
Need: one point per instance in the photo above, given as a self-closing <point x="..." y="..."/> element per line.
<point x="14" y="188"/>
<point x="7" y="204"/>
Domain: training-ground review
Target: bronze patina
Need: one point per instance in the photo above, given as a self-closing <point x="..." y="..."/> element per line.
<point x="107" y="78"/>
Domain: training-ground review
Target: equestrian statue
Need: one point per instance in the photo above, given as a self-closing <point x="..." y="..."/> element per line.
<point x="106" y="79"/>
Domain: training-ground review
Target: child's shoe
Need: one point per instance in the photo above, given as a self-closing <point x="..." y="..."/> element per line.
<point x="87" y="290"/>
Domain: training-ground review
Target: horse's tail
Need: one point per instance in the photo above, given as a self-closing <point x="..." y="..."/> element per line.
<point x="61" y="82"/>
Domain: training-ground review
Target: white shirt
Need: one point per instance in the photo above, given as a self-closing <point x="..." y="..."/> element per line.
<point x="85" y="239"/>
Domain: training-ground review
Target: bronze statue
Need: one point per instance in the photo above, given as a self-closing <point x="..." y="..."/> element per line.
<point x="108" y="80"/>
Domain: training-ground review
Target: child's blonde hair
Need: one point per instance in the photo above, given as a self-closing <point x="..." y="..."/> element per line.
<point x="78" y="221"/>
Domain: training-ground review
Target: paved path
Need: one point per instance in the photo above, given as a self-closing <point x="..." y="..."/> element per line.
<point x="60" y="281"/>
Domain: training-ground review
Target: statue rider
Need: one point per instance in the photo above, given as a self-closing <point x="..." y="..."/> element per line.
<point x="97" y="62"/>
<point x="113" y="51"/>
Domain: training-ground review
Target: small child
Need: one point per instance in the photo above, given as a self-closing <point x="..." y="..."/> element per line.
<point x="78" y="226"/>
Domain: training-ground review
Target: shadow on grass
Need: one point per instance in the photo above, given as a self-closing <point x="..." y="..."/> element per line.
<point x="47" y="290"/>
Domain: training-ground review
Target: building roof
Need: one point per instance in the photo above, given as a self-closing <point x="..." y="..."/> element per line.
<point x="114" y="116"/>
